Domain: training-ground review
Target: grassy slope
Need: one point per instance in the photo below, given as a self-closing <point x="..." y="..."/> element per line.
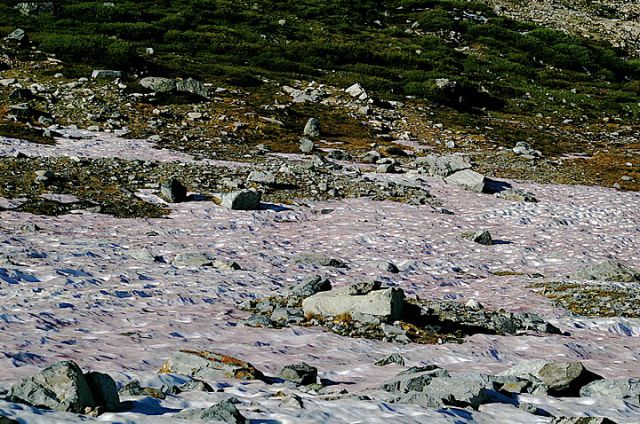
<point x="498" y="64"/>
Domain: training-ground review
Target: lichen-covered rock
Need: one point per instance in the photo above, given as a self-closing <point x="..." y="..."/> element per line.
<point x="61" y="386"/>
<point x="158" y="84"/>
<point x="608" y="271"/>
<point x="310" y="286"/>
<point x="414" y="379"/>
<point x="559" y="378"/>
<point x="626" y="388"/>
<point x="302" y="373"/>
<point x="386" y="304"/>
<point x="225" y="411"/>
<point x="204" y="364"/>
<point x="244" y="200"/>
<point x="467" y="179"/>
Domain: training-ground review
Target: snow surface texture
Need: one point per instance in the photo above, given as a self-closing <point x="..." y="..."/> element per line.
<point x="80" y="289"/>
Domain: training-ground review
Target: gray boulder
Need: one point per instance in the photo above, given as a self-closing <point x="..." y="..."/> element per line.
<point x="61" y="387"/>
<point x="17" y="35"/>
<point x="104" y="390"/>
<point x="303" y="374"/>
<point x="517" y="195"/>
<point x="468" y="180"/>
<point x="443" y="166"/>
<point x="318" y="259"/>
<point x="173" y="191"/>
<point x="582" y="420"/>
<point x="209" y="365"/>
<point x="457" y="391"/>
<point x="312" y="128"/>
<point x="394" y="358"/>
<point x="414" y="379"/>
<point x="158" y="84"/>
<point x="524" y="149"/>
<point x="384" y="304"/>
<point x="608" y="271"/>
<point x="559" y="378"/>
<point x="310" y="286"/>
<point x="107" y="74"/>
<point x="192" y="260"/>
<point x="481" y="237"/>
<point x="626" y="388"/>
<point x="225" y="411"/>
<point x="306" y="145"/>
<point x="262" y="177"/>
<point x="192" y="86"/>
<point x="244" y="200"/>
<point x="32" y="7"/>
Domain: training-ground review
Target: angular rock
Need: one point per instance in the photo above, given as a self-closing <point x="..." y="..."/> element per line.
<point x="133" y="388"/>
<point x="414" y="379"/>
<point x="384" y="304"/>
<point x="387" y="267"/>
<point x="306" y="145"/>
<point x="467" y="179"/>
<point x="104" y="390"/>
<point x="209" y="365"/>
<point x="457" y="391"/>
<point x="443" y="166"/>
<point x="107" y="74"/>
<point x="225" y="411"/>
<point x="192" y="86"/>
<point x="303" y="373"/>
<point x="61" y="387"/>
<point x="394" y="358"/>
<point x="192" y="260"/>
<point x="559" y="378"/>
<point x="608" y="271"/>
<point x="582" y="420"/>
<point x="319" y="259"/>
<point x="173" y="191"/>
<point x="158" y="84"/>
<point x="245" y="200"/>
<point x="626" y="388"/>
<point x="262" y="177"/>
<point x="481" y="237"/>
<point x="310" y="286"/>
<point x="517" y="195"/>
<point x="312" y="128"/>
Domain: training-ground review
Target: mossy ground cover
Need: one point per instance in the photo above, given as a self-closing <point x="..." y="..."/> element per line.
<point x="392" y="47"/>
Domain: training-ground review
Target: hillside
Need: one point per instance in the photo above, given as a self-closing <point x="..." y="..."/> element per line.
<point x="319" y="211"/>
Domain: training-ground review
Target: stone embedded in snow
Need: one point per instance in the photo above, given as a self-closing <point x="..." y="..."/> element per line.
<point x="158" y="84"/>
<point x="133" y="388"/>
<point x="310" y="286"/>
<point x="306" y="145"/>
<point x="627" y="389"/>
<point x="385" y="304"/>
<point x="387" y="266"/>
<point x="61" y="387"/>
<point x="104" y="390"/>
<point x="318" y="259"/>
<point x="607" y="271"/>
<point x="467" y="179"/>
<point x="517" y="195"/>
<point x="559" y="378"/>
<point x="225" y="411"/>
<point x="107" y="74"/>
<point x="443" y="166"/>
<point x="582" y="420"/>
<point x="394" y="358"/>
<point x="481" y="237"/>
<point x="456" y="391"/>
<point x="209" y="365"/>
<point x="312" y="128"/>
<point x="414" y="379"/>
<point x="173" y="191"/>
<point x="303" y="373"/>
<point x="243" y="200"/>
<point x="192" y="260"/>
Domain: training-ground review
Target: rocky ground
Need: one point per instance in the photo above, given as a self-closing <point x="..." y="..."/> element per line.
<point x="303" y="253"/>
